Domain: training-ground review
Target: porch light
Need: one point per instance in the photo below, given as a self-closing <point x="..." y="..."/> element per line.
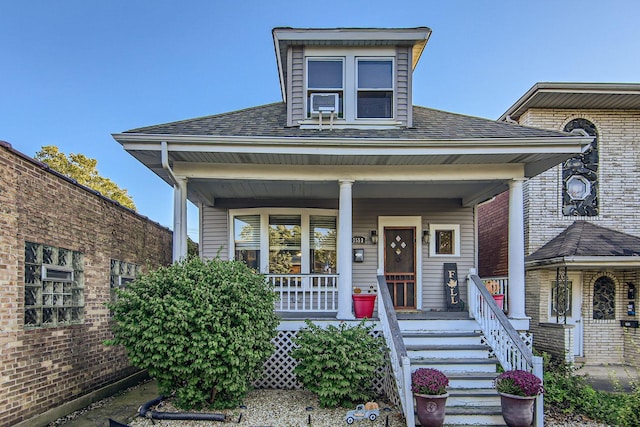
<point x="425" y="237"/>
<point x="374" y="237"/>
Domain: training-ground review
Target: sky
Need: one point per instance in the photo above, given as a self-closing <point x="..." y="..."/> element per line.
<point x="73" y="72"/>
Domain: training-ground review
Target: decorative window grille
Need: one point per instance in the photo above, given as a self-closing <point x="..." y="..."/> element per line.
<point x="580" y="175"/>
<point x="53" y="286"/>
<point x="604" y="299"/>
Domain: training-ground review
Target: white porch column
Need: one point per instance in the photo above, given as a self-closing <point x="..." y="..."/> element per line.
<point x="180" y="219"/>
<point x="516" y="250"/>
<point x="345" y="228"/>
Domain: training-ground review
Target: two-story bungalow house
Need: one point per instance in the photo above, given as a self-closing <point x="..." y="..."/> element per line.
<point x="346" y="184"/>
<point x="582" y="229"/>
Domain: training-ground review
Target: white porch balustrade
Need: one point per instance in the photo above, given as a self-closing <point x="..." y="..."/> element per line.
<point x="305" y="292"/>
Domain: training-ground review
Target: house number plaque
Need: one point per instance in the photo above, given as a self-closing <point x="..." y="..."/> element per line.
<point x="358" y="240"/>
<point x="452" y="290"/>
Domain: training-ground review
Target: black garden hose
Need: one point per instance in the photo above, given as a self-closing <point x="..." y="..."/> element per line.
<point x="188" y="416"/>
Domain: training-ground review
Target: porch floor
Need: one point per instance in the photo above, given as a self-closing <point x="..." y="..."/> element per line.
<point x="402" y="315"/>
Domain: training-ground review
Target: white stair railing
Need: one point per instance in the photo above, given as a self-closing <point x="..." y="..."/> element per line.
<point x="400" y="362"/>
<point x="511" y="351"/>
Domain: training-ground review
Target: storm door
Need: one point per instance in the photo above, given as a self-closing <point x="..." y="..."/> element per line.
<point x="400" y="265"/>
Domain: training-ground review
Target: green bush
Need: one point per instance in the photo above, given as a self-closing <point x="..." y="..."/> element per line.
<point x="203" y="329"/>
<point x="570" y="393"/>
<point x="340" y="363"/>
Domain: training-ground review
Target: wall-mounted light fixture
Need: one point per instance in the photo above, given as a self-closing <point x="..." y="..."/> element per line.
<point x="425" y="237"/>
<point x="374" y="237"/>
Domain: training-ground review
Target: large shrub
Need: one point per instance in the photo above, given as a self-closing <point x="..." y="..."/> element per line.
<point x="339" y="363"/>
<point x="203" y="329"/>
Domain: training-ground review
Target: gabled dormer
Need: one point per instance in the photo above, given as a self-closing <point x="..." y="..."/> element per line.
<point x="348" y="77"/>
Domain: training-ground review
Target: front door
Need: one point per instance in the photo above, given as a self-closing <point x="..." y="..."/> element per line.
<point x="571" y="307"/>
<point x="400" y="265"/>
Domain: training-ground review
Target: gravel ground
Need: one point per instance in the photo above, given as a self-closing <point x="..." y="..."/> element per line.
<point x="288" y="408"/>
<point x="279" y="408"/>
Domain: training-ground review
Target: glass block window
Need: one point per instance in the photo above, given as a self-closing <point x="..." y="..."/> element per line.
<point x="53" y="286"/>
<point x="580" y="175"/>
<point x="604" y="294"/>
<point x="121" y="273"/>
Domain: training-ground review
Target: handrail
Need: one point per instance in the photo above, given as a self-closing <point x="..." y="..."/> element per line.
<point x="503" y="338"/>
<point x="399" y="359"/>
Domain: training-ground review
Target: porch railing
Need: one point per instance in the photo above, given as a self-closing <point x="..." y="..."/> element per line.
<point x="500" y="334"/>
<point x="503" y="284"/>
<point x="398" y="358"/>
<point x="305" y="292"/>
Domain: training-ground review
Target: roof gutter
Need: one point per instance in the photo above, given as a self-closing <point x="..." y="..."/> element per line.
<point x="609" y="261"/>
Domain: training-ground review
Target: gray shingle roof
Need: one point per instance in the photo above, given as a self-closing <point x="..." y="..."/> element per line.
<point x="270" y="121"/>
<point x="584" y="239"/>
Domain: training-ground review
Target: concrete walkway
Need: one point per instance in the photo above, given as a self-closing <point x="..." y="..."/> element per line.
<point x="612" y="378"/>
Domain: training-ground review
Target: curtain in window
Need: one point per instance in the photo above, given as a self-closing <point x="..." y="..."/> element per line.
<point x="322" y="238"/>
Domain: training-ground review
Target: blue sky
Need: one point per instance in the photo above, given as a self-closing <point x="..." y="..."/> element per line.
<point x="72" y="72"/>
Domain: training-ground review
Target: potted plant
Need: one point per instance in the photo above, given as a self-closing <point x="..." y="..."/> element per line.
<point x="364" y="301"/>
<point x="493" y="286"/>
<point x="429" y="387"/>
<point x="518" y="390"/>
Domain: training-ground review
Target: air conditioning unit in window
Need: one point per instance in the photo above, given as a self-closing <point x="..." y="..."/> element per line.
<point x="324" y="103"/>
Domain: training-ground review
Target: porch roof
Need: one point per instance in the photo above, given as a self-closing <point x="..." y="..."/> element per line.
<point x="584" y="244"/>
<point x="251" y="153"/>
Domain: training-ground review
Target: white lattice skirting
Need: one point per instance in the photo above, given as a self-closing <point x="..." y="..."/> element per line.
<point x="278" y="370"/>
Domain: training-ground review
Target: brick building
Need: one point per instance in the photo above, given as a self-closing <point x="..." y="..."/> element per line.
<point x="582" y="228"/>
<point x="63" y="248"/>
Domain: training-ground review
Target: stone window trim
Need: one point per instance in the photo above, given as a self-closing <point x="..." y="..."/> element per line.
<point x="53" y="286"/>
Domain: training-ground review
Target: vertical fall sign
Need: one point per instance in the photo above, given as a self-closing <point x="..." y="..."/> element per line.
<point x="452" y="290"/>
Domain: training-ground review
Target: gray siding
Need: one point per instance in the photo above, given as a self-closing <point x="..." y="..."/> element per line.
<point x="296" y="85"/>
<point x="215" y="234"/>
<point x="403" y="76"/>
<point x="365" y="219"/>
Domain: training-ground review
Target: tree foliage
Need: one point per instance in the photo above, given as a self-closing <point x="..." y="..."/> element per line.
<point x="83" y="170"/>
<point x="203" y="329"/>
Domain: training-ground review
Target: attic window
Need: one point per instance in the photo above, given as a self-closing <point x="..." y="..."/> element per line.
<point x="375" y="88"/>
<point x="325" y="75"/>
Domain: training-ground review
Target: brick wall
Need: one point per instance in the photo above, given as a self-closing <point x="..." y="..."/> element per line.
<point x="45" y="367"/>
<point x="493" y="237"/>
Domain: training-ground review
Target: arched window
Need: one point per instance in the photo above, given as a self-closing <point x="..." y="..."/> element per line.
<point x="580" y="175"/>
<point x="604" y="299"/>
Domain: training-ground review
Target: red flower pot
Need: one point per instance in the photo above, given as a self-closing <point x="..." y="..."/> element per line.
<point x="363" y="305"/>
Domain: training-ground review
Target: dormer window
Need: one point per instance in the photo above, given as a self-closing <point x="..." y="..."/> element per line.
<point x="375" y="88"/>
<point x="325" y="76"/>
<point x="364" y="85"/>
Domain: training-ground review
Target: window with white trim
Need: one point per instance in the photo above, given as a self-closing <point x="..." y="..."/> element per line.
<point x="444" y="239"/>
<point x="285" y="241"/>
<point x="374" y="88"/>
<point x="53" y="286"/>
<point x="365" y="85"/>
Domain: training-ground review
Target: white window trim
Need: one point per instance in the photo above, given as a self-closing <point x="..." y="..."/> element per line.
<point x="392" y="88"/>
<point x="432" y="239"/>
<point x="305" y="214"/>
<point x="350" y="90"/>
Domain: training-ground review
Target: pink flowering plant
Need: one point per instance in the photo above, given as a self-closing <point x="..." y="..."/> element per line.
<point x="518" y="383"/>
<point x="429" y="381"/>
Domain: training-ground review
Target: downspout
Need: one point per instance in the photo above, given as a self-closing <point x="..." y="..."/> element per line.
<point x="179" y="206"/>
